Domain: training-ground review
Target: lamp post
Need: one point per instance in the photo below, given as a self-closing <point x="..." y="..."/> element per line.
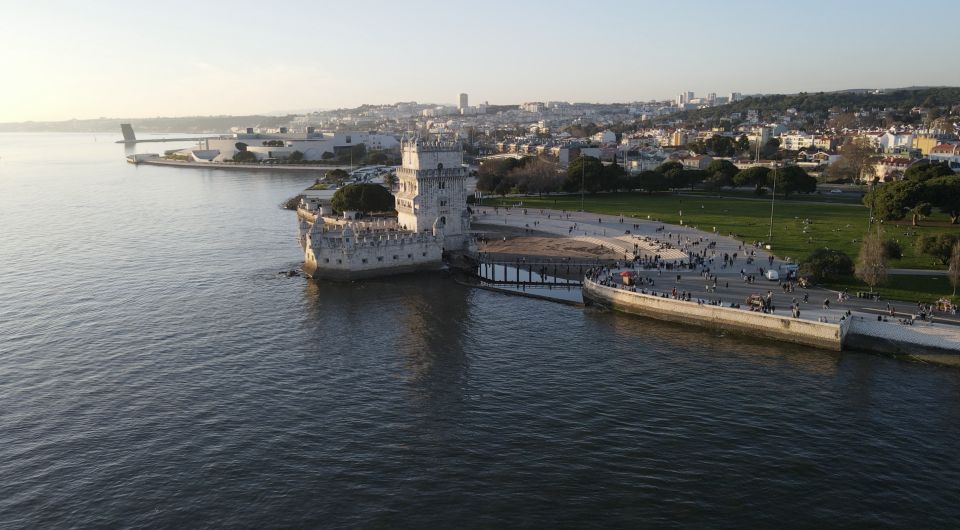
<point x="583" y="168"/>
<point x="773" y="197"/>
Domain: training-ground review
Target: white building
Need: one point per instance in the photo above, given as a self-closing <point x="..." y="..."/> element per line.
<point x="605" y="137"/>
<point x="949" y="153"/>
<point x="431" y="188"/>
<point x="893" y="140"/>
<point x="312" y="144"/>
<point x="796" y="141"/>
<point x="432" y="218"/>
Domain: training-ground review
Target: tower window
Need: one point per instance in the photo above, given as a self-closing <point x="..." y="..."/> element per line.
<point x="442" y="185"/>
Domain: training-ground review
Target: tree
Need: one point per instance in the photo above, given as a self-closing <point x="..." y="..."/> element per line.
<point x="295" y="157"/>
<point x="923" y="171"/>
<point x="244" y="156"/>
<point x="362" y="198"/>
<point x="770" y="148"/>
<point x="954" y="270"/>
<point x="672" y="172"/>
<point x="327" y="155"/>
<point x="743" y="143"/>
<point x="856" y="162"/>
<point x="377" y="158"/>
<point x="354" y="153"/>
<point x="940" y="246"/>
<point x="919" y="211"/>
<point x="337" y="175"/>
<point x="390" y="180"/>
<point x="753" y="176"/>
<point x="721" y="145"/>
<point x="872" y="261"/>
<point x="651" y="181"/>
<point x="689" y="178"/>
<point x="827" y="264"/>
<point x="493" y="172"/>
<point x="794" y="179"/>
<point x="720" y="173"/>
<point x="585" y="169"/>
<point x="536" y="176"/>
<point x="944" y="193"/>
<point x="614" y="177"/>
<point x="892" y="249"/>
<point x="503" y="187"/>
<point x="893" y="200"/>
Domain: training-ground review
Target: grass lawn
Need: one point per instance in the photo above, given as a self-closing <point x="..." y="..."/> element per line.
<point x="911" y="288"/>
<point x="838" y="226"/>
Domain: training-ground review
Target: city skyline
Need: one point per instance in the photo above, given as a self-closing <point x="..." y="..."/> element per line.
<point x="76" y="63"/>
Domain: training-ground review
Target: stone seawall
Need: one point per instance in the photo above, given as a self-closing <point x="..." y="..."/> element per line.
<point x="807" y="332"/>
<point x="241" y="166"/>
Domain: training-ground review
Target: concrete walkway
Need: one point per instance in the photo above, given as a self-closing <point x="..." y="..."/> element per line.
<point x="609" y="231"/>
<point x="918" y="272"/>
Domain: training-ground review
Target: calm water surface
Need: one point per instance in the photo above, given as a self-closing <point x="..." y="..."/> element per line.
<point x="155" y="371"/>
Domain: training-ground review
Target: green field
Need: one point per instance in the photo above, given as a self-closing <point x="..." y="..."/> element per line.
<point x="910" y="288"/>
<point x="836" y="225"/>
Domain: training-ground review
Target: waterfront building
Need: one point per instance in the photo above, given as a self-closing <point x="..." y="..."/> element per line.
<point x="433" y="218"/>
<point x="282" y="143"/>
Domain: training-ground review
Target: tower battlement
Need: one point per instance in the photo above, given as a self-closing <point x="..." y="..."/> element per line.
<point x="432" y="189"/>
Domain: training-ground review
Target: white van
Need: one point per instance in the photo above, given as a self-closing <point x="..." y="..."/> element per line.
<point x="772" y="275"/>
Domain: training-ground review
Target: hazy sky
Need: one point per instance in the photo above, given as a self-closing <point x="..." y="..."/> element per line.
<point x="62" y="60"/>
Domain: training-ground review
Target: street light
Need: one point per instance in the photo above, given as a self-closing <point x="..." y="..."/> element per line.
<point x="583" y="168"/>
<point x="773" y="197"/>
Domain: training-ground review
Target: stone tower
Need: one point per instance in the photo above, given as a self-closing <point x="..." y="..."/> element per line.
<point x="432" y="190"/>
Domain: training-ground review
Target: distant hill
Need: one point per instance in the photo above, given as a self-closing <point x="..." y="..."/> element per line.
<point x="822" y="102"/>
<point x="185" y="124"/>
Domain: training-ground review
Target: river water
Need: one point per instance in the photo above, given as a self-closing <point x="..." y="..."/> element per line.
<point x="156" y="371"/>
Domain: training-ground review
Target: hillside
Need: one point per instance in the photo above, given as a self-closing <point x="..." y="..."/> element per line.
<point x="822" y="102"/>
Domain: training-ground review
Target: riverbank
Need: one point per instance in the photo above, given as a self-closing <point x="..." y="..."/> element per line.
<point x="245" y="167"/>
<point x="732" y="282"/>
<point x="799" y="226"/>
<point x="811" y="326"/>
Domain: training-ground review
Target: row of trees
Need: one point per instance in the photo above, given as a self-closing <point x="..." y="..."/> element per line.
<point x="525" y="175"/>
<point x="588" y="173"/>
<point x="871" y="265"/>
<point x="925" y="186"/>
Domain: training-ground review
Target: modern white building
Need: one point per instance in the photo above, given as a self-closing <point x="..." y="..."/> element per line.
<point x="281" y="144"/>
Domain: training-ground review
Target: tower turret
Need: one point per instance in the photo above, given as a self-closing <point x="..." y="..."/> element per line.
<point x="432" y="189"/>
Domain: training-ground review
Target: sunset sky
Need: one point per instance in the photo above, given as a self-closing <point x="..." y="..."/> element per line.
<point x="63" y="60"/>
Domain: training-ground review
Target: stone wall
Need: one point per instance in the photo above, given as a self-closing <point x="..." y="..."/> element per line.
<point x="807" y="332"/>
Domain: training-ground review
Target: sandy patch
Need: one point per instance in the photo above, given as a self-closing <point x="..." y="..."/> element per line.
<point x="548" y="246"/>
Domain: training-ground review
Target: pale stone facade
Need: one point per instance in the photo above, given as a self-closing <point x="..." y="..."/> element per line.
<point x="432" y="191"/>
<point x="432" y="218"/>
